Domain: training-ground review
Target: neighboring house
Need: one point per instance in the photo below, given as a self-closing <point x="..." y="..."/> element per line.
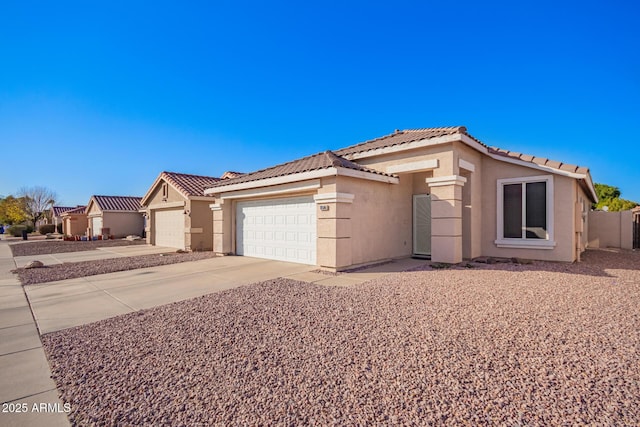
<point x="436" y="193"/>
<point x="118" y="216"/>
<point x="178" y="213"/>
<point x="74" y="221"/>
<point x="56" y="214"/>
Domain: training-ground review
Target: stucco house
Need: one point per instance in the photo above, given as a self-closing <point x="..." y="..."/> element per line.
<point x="178" y="213"/>
<point x="56" y="213"/>
<point x="117" y="216"/>
<point x="74" y="221"/>
<point x="437" y="192"/>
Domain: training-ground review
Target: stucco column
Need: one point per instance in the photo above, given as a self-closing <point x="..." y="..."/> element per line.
<point x="446" y="218"/>
<point x="333" y="212"/>
<point x="221" y="228"/>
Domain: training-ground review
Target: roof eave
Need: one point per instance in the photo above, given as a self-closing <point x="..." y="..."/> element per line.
<point x="586" y="177"/>
<point x="427" y="142"/>
<point x="303" y="176"/>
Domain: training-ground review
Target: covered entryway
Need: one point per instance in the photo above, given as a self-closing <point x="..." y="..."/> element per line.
<point x="168" y="228"/>
<point x="96" y="225"/>
<point x="279" y="229"/>
<point x="422" y="225"/>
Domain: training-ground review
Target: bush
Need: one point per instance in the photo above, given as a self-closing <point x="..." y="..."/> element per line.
<point x="16" y="230"/>
<point x="46" y="229"/>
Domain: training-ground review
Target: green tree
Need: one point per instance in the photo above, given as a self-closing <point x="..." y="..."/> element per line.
<point x="12" y="210"/>
<point x="609" y="196"/>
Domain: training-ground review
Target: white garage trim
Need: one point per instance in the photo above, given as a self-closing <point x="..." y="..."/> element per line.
<point x="168" y="228"/>
<point x="280" y="229"/>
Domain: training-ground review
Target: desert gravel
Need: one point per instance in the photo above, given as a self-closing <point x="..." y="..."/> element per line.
<point x="541" y="344"/>
<point x="73" y="270"/>
<point x="43" y="247"/>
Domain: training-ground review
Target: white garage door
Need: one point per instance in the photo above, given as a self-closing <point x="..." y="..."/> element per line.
<point x="280" y="229"/>
<point x="169" y="228"/>
<point x="96" y="225"/>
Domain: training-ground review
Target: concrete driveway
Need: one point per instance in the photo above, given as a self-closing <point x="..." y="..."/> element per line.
<point x="98" y="253"/>
<point x="68" y="303"/>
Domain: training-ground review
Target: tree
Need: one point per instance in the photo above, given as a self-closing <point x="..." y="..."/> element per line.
<point x="12" y="210"/>
<point x="37" y="201"/>
<point x="609" y="196"/>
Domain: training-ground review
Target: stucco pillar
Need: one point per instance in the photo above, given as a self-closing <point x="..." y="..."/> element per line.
<point x="146" y="215"/>
<point x="221" y="228"/>
<point x="446" y="218"/>
<point x="333" y="212"/>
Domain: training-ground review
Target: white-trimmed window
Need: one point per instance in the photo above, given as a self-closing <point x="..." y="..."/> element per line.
<point x="525" y="212"/>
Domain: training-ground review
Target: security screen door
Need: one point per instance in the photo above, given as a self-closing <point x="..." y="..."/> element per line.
<point x="422" y="224"/>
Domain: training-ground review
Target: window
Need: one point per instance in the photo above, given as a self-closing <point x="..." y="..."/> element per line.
<point x="525" y="212"/>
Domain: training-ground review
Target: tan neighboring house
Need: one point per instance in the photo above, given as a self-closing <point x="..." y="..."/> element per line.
<point x="56" y="213"/>
<point x="74" y="221"/>
<point x="437" y="193"/>
<point x="178" y="213"/>
<point x="117" y="216"/>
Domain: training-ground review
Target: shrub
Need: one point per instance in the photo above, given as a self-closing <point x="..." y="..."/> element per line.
<point x="16" y="230"/>
<point x="47" y="228"/>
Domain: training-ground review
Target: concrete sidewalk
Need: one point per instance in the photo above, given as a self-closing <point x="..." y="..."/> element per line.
<point x="25" y="378"/>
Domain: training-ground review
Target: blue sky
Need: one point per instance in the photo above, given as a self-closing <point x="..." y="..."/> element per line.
<point x="99" y="98"/>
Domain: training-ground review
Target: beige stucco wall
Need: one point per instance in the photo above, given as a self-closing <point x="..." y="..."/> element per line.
<point x="381" y="218"/>
<point x="563" y="216"/>
<point x="93" y="209"/>
<point x="74" y="225"/>
<point x="472" y="210"/>
<point x="200" y="234"/>
<point x="122" y="224"/>
<point x="611" y="229"/>
<point x="581" y="214"/>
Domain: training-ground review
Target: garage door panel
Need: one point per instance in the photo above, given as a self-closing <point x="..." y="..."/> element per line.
<point x="169" y="228"/>
<point x="282" y="229"/>
<point x="96" y="225"/>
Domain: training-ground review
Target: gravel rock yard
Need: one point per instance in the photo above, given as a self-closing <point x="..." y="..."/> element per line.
<point x="58" y="246"/>
<point x="72" y="270"/>
<point x="541" y="344"/>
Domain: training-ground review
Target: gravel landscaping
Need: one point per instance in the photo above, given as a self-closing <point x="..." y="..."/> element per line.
<point x="44" y="247"/>
<point x="72" y="270"/>
<point x="503" y="344"/>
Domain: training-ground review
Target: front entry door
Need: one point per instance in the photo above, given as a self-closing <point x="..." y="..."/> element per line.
<point x="422" y="225"/>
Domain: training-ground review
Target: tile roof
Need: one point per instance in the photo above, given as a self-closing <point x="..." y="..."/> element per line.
<point x="540" y="161"/>
<point x="59" y="210"/>
<point x="400" y="137"/>
<point x="77" y="210"/>
<point x="189" y="185"/>
<point x="315" y="162"/>
<point x="231" y="174"/>
<point x="406" y="136"/>
<point x="118" y="203"/>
